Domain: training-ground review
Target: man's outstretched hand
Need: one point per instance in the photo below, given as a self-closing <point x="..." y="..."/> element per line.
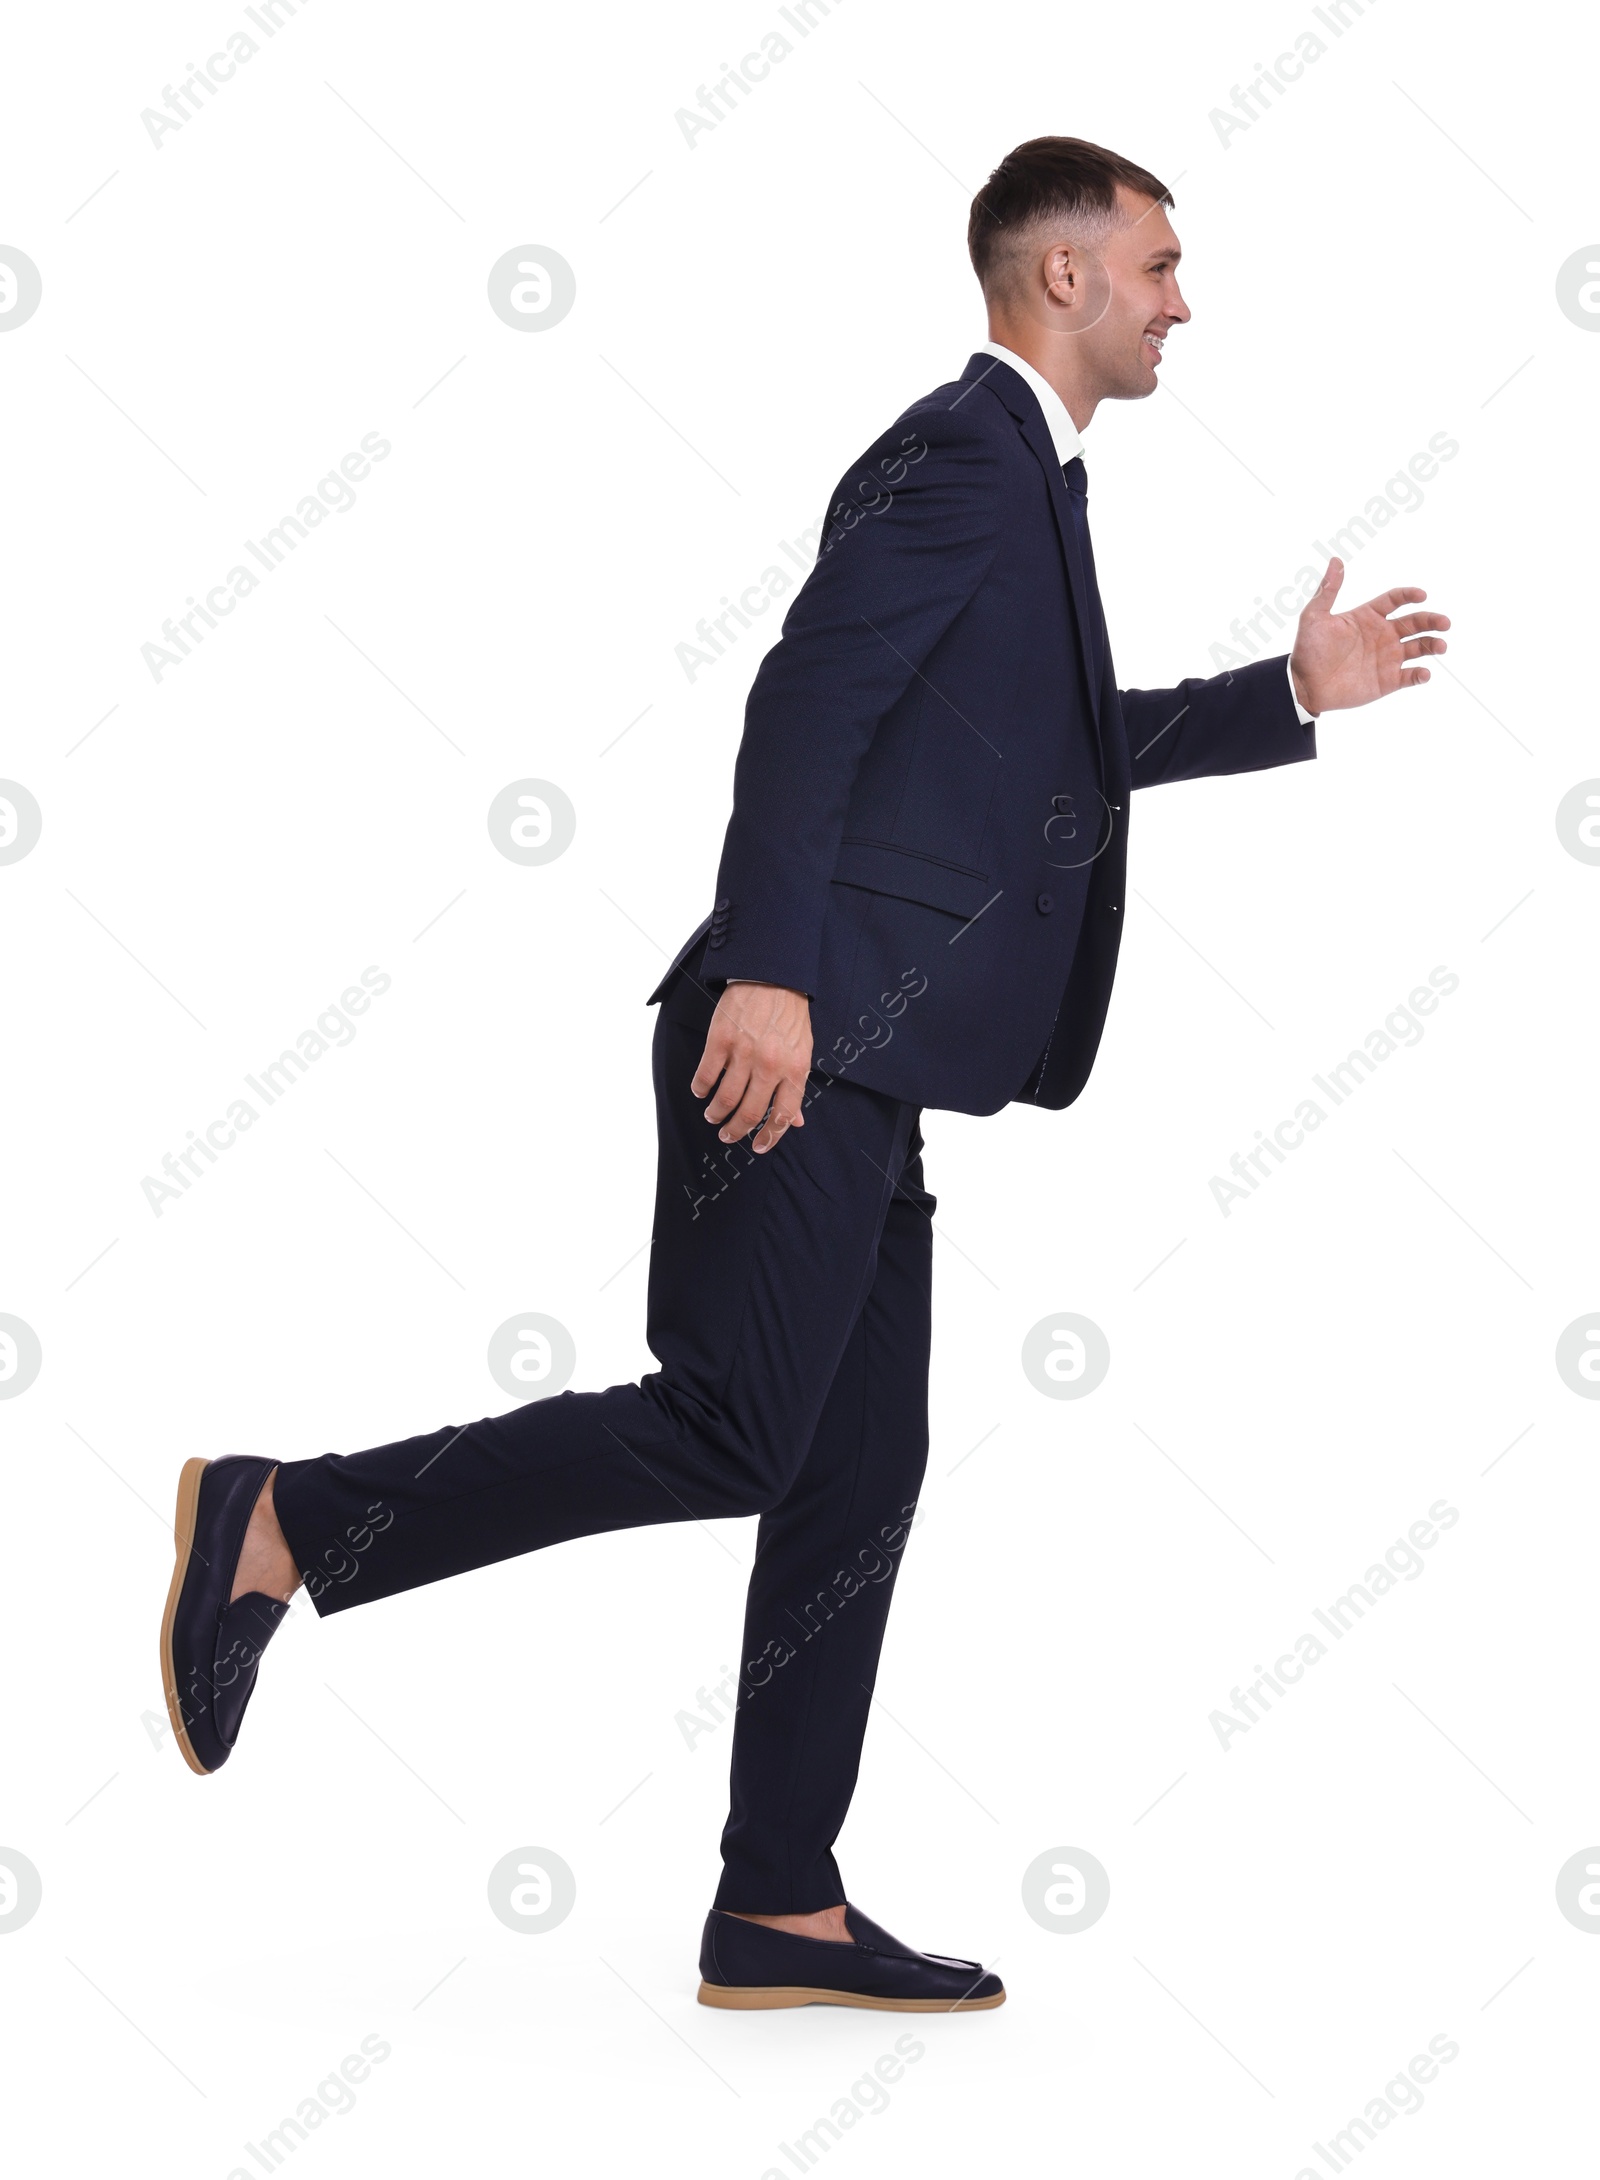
<point x="1344" y="659"/>
<point x="759" y="1043"/>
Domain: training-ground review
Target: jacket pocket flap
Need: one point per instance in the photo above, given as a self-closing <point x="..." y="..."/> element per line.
<point x="911" y="877"/>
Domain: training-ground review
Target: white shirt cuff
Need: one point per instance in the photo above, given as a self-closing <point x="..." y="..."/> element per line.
<point x="1307" y="719"/>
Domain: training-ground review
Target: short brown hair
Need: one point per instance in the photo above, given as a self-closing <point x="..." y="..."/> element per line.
<point x="1050" y="177"/>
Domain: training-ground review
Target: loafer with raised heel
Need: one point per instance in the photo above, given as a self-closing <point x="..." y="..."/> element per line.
<point x="210" y="1645"/>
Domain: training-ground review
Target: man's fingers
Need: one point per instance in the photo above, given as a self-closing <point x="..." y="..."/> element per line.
<point x="1422" y="646"/>
<point x="751" y="1109"/>
<point x="787" y="1112"/>
<point x="1328" y="589"/>
<point x="712" y="1062"/>
<point x="735" y="1081"/>
<point x="1414" y="679"/>
<point x="1413" y="624"/>
<point x="1392" y="598"/>
<point x="726" y="1101"/>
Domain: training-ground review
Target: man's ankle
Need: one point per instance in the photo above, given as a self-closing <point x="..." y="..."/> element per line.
<point x="265" y="1560"/>
<point x="822" y="1923"/>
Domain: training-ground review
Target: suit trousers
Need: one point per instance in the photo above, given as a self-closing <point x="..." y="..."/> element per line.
<point x="789" y="1309"/>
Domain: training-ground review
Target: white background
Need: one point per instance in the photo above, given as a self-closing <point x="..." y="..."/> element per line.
<point x="1371" y="263"/>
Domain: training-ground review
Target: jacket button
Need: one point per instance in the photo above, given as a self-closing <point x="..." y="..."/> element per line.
<point x="716" y="939"/>
<point x="1044" y="904"/>
<point x="722" y="904"/>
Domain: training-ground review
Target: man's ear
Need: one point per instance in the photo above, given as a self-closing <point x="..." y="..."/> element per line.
<point x="1061" y="273"/>
<point x="1076" y="288"/>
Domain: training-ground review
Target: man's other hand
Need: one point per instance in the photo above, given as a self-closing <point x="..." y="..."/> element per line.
<point x="1340" y="660"/>
<point x="759" y="1044"/>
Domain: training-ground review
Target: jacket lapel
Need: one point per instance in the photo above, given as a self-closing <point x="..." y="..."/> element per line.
<point x="1020" y="399"/>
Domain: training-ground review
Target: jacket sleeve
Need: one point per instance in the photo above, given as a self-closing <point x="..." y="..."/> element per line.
<point x="1241" y="721"/>
<point x="901" y="556"/>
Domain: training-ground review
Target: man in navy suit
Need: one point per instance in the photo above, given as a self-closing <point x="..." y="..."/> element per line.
<point x="919" y="904"/>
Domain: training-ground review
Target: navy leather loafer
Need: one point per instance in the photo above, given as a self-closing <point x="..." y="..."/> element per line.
<point x="749" y="1965"/>
<point x="210" y="1648"/>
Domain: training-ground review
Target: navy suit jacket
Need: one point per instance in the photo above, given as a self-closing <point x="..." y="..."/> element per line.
<point x="930" y="802"/>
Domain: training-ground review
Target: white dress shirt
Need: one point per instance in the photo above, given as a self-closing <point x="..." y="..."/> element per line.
<point x="1068" y="441"/>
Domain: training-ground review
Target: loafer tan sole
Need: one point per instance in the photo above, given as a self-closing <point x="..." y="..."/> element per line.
<point x="183" y="1542"/>
<point x="755" y="1997"/>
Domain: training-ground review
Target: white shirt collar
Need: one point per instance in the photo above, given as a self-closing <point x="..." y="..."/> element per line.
<point x="1058" y="421"/>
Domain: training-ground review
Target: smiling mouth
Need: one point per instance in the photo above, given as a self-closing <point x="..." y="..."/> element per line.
<point x="1157" y="341"/>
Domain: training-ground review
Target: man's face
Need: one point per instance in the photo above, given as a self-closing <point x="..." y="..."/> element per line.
<point x="1133" y="300"/>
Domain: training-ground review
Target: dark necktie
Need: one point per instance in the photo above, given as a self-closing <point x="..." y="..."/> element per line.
<point x="1094" y="636"/>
